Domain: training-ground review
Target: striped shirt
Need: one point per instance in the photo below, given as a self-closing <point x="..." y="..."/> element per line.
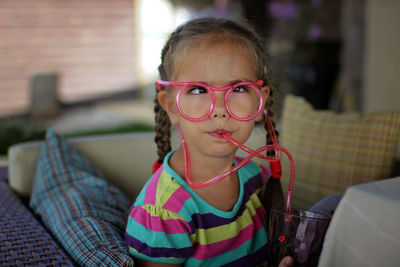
<point x="170" y="223"/>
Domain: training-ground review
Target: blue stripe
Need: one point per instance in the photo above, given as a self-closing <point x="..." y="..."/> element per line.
<point x="157" y="238"/>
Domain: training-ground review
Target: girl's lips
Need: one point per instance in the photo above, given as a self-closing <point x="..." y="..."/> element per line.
<point x="218" y="133"/>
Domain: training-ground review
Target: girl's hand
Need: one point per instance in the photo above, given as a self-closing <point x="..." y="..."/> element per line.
<point x="286" y="262"/>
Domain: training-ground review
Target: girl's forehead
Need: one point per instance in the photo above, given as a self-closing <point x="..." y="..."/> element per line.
<point x="214" y="62"/>
<point x="211" y="43"/>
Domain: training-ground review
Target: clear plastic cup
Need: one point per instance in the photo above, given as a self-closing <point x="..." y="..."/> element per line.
<point x="299" y="234"/>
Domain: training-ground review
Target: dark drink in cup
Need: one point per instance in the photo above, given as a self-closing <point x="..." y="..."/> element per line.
<point x="299" y="234"/>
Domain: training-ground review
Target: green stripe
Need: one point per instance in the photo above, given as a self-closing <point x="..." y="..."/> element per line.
<point x="252" y="169"/>
<point x="157" y="238"/>
<point x="259" y="240"/>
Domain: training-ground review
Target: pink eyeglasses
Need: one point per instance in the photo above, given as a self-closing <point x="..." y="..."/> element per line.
<point x="195" y="101"/>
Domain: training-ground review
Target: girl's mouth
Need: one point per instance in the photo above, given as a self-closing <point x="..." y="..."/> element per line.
<point x="219" y="133"/>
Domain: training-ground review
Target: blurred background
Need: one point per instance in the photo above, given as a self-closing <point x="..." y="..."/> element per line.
<point x="88" y="66"/>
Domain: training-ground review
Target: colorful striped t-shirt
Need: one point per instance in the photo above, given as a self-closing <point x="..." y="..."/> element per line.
<point x="170" y="223"/>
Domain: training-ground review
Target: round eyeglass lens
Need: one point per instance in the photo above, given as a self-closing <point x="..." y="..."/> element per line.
<point x="195" y="101"/>
<point x="243" y="101"/>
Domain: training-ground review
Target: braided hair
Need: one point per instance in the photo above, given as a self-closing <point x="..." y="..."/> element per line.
<point x="174" y="50"/>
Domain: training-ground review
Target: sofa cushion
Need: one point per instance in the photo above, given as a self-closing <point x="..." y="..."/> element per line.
<point x="84" y="212"/>
<point x="334" y="151"/>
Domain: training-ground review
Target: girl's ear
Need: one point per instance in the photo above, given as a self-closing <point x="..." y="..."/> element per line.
<point x="167" y="102"/>
<point x="265" y="94"/>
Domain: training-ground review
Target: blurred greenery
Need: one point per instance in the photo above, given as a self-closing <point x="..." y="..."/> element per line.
<point x="19" y="128"/>
<point x="16" y="129"/>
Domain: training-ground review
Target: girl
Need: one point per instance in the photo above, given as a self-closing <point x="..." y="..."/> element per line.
<point x="199" y="208"/>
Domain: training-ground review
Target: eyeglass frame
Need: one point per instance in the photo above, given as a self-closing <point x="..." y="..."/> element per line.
<point x="210" y="89"/>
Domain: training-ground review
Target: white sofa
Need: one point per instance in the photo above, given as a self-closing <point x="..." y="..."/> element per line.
<point x="125" y="159"/>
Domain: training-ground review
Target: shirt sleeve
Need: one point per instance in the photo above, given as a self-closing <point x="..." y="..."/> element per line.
<point x="158" y="235"/>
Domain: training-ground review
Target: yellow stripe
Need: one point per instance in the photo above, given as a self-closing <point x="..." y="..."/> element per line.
<point x="165" y="188"/>
<point x="160" y="212"/>
<point x="216" y="234"/>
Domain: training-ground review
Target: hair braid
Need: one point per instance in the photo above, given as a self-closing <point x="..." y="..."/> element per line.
<point x="162" y="123"/>
<point x="273" y="195"/>
<point x="162" y="130"/>
<point x="270" y="113"/>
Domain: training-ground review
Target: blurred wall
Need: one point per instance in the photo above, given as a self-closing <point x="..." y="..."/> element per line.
<point x="90" y="43"/>
<point x="382" y="57"/>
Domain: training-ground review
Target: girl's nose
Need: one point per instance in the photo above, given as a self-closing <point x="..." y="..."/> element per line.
<point x="219" y="108"/>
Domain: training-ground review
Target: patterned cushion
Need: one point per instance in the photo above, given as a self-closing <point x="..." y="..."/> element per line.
<point x="333" y="151"/>
<point x="85" y="213"/>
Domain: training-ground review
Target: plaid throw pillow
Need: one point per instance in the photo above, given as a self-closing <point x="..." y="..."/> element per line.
<point x="334" y="151"/>
<point x="85" y="213"/>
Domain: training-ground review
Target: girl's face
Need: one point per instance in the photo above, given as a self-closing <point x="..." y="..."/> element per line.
<point x="217" y="66"/>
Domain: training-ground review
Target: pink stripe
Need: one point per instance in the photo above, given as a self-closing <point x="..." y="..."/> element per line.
<point x="177" y="200"/>
<point x="151" y="189"/>
<point x="202" y="252"/>
<point x="155" y="223"/>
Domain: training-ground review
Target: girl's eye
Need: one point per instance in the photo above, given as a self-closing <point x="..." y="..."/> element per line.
<point x="197" y="90"/>
<point x="240" y="89"/>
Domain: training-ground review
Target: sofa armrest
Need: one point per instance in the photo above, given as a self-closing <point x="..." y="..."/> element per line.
<point x="124" y="159"/>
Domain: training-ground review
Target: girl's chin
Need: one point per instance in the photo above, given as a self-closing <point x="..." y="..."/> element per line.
<point x="223" y="148"/>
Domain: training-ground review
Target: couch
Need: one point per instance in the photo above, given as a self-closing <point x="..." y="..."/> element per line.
<point x="120" y="164"/>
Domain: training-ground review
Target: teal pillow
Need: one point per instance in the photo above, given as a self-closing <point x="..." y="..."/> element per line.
<point x="84" y="212"/>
